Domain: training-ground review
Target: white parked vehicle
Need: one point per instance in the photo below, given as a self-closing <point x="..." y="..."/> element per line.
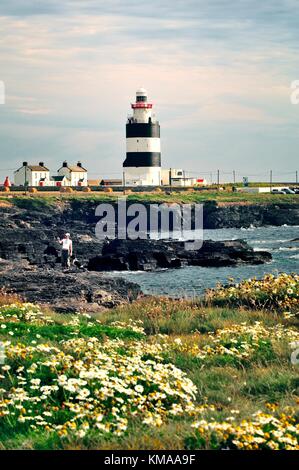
<point x="283" y="191"/>
<point x="288" y="191"/>
<point x="277" y="191"/>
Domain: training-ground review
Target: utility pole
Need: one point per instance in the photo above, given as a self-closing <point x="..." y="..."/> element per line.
<point x="234" y="176"/>
<point x="271" y="179"/>
<point x="26" y="182"/>
<point x="296" y="176"/>
<point x="218" y="179"/>
<point x="170" y="179"/>
<point x="184" y="176"/>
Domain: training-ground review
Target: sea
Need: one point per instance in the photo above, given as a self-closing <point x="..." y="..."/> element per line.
<point x="190" y="282"/>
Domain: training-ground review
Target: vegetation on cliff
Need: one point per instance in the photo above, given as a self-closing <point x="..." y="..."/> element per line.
<point x="279" y="292"/>
<point x="40" y="199"/>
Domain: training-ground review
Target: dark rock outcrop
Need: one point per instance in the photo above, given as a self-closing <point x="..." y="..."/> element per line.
<point x="31" y="233"/>
<point x="237" y="215"/>
<point x="28" y="245"/>
<point x="66" y="292"/>
<point x="148" y="255"/>
<point x="29" y="230"/>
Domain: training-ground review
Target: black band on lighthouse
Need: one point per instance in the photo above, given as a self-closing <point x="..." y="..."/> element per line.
<point x="142" y="159"/>
<point x="140" y="129"/>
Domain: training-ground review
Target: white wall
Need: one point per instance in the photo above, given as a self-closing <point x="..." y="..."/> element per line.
<point x="143" y="144"/>
<point x="142" y="176"/>
<point x="73" y="176"/>
<point x="76" y="176"/>
<point x="32" y="177"/>
<point x="255" y="189"/>
<point x="142" y="114"/>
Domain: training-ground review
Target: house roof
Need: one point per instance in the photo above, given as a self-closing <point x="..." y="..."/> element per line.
<point x="77" y="168"/>
<point x="34" y="168"/>
<point x="37" y="168"/>
<point x="74" y="168"/>
<point x="112" y="181"/>
<point x="58" y="178"/>
<point x="93" y="182"/>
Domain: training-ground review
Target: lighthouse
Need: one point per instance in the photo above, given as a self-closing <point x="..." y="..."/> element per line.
<point x="142" y="166"/>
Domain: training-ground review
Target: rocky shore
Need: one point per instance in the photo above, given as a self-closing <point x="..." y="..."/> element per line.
<point x="149" y="255"/>
<point x="67" y="292"/>
<point x="30" y="256"/>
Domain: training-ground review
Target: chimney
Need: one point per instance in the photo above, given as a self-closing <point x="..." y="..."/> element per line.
<point x="25" y="163"/>
<point x="79" y="164"/>
<point x="41" y="163"/>
<point x="64" y="164"/>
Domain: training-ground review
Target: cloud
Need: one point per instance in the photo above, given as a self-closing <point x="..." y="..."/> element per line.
<point x="71" y="69"/>
<point x="34" y="111"/>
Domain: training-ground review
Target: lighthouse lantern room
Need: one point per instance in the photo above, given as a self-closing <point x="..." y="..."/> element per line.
<point x="142" y="166"/>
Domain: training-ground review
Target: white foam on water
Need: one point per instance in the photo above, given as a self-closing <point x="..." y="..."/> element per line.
<point x="289" y="248"/>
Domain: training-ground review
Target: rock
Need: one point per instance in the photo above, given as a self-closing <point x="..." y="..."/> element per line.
<point x="29" y="227"/>
<point x="148" y="255"/>
<point x="238" y="215"/>
<point x="27" y="234"/>
<point x="66" y="292"/>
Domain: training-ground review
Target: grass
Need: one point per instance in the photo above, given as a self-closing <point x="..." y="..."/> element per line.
<point x="227" y="381"/>
<point x="39" y="200"/>
<point x="58" y="332"/>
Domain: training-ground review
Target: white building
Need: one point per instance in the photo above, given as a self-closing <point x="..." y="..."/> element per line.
<point x="32" y="175"/>
<point x="255" y="189"/>
<point x="142" y="166"/>
<point x="170" y="174"/>
<point x="76" y="174"/>
<point x="59" y="181"/>
<point x="178" y="177"/>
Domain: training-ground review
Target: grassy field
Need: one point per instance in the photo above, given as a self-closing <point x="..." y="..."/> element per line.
<point x="220" y="197"/>
<point x="154" y="374"/>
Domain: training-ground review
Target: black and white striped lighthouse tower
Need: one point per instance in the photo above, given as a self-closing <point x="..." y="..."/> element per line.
<point x="142" y="166"/>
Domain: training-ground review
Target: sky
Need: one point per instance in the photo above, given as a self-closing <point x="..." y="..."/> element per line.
<point x="218" y="72"/>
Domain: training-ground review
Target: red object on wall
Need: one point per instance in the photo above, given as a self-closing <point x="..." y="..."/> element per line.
<point x="41" y="183"/>
<point x="7" y="183"/>
<point x="58" y="183"/>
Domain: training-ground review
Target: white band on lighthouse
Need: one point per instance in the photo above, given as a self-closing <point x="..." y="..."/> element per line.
<point x="142" y="166"/>
<point x="143" y="144"/>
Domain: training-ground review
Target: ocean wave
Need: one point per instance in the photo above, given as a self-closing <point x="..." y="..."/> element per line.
<point x="274" y="240"/>
<point x="288" y="248"/>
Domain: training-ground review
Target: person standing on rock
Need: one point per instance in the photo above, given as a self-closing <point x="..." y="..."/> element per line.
<point x="66" y="250"/>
